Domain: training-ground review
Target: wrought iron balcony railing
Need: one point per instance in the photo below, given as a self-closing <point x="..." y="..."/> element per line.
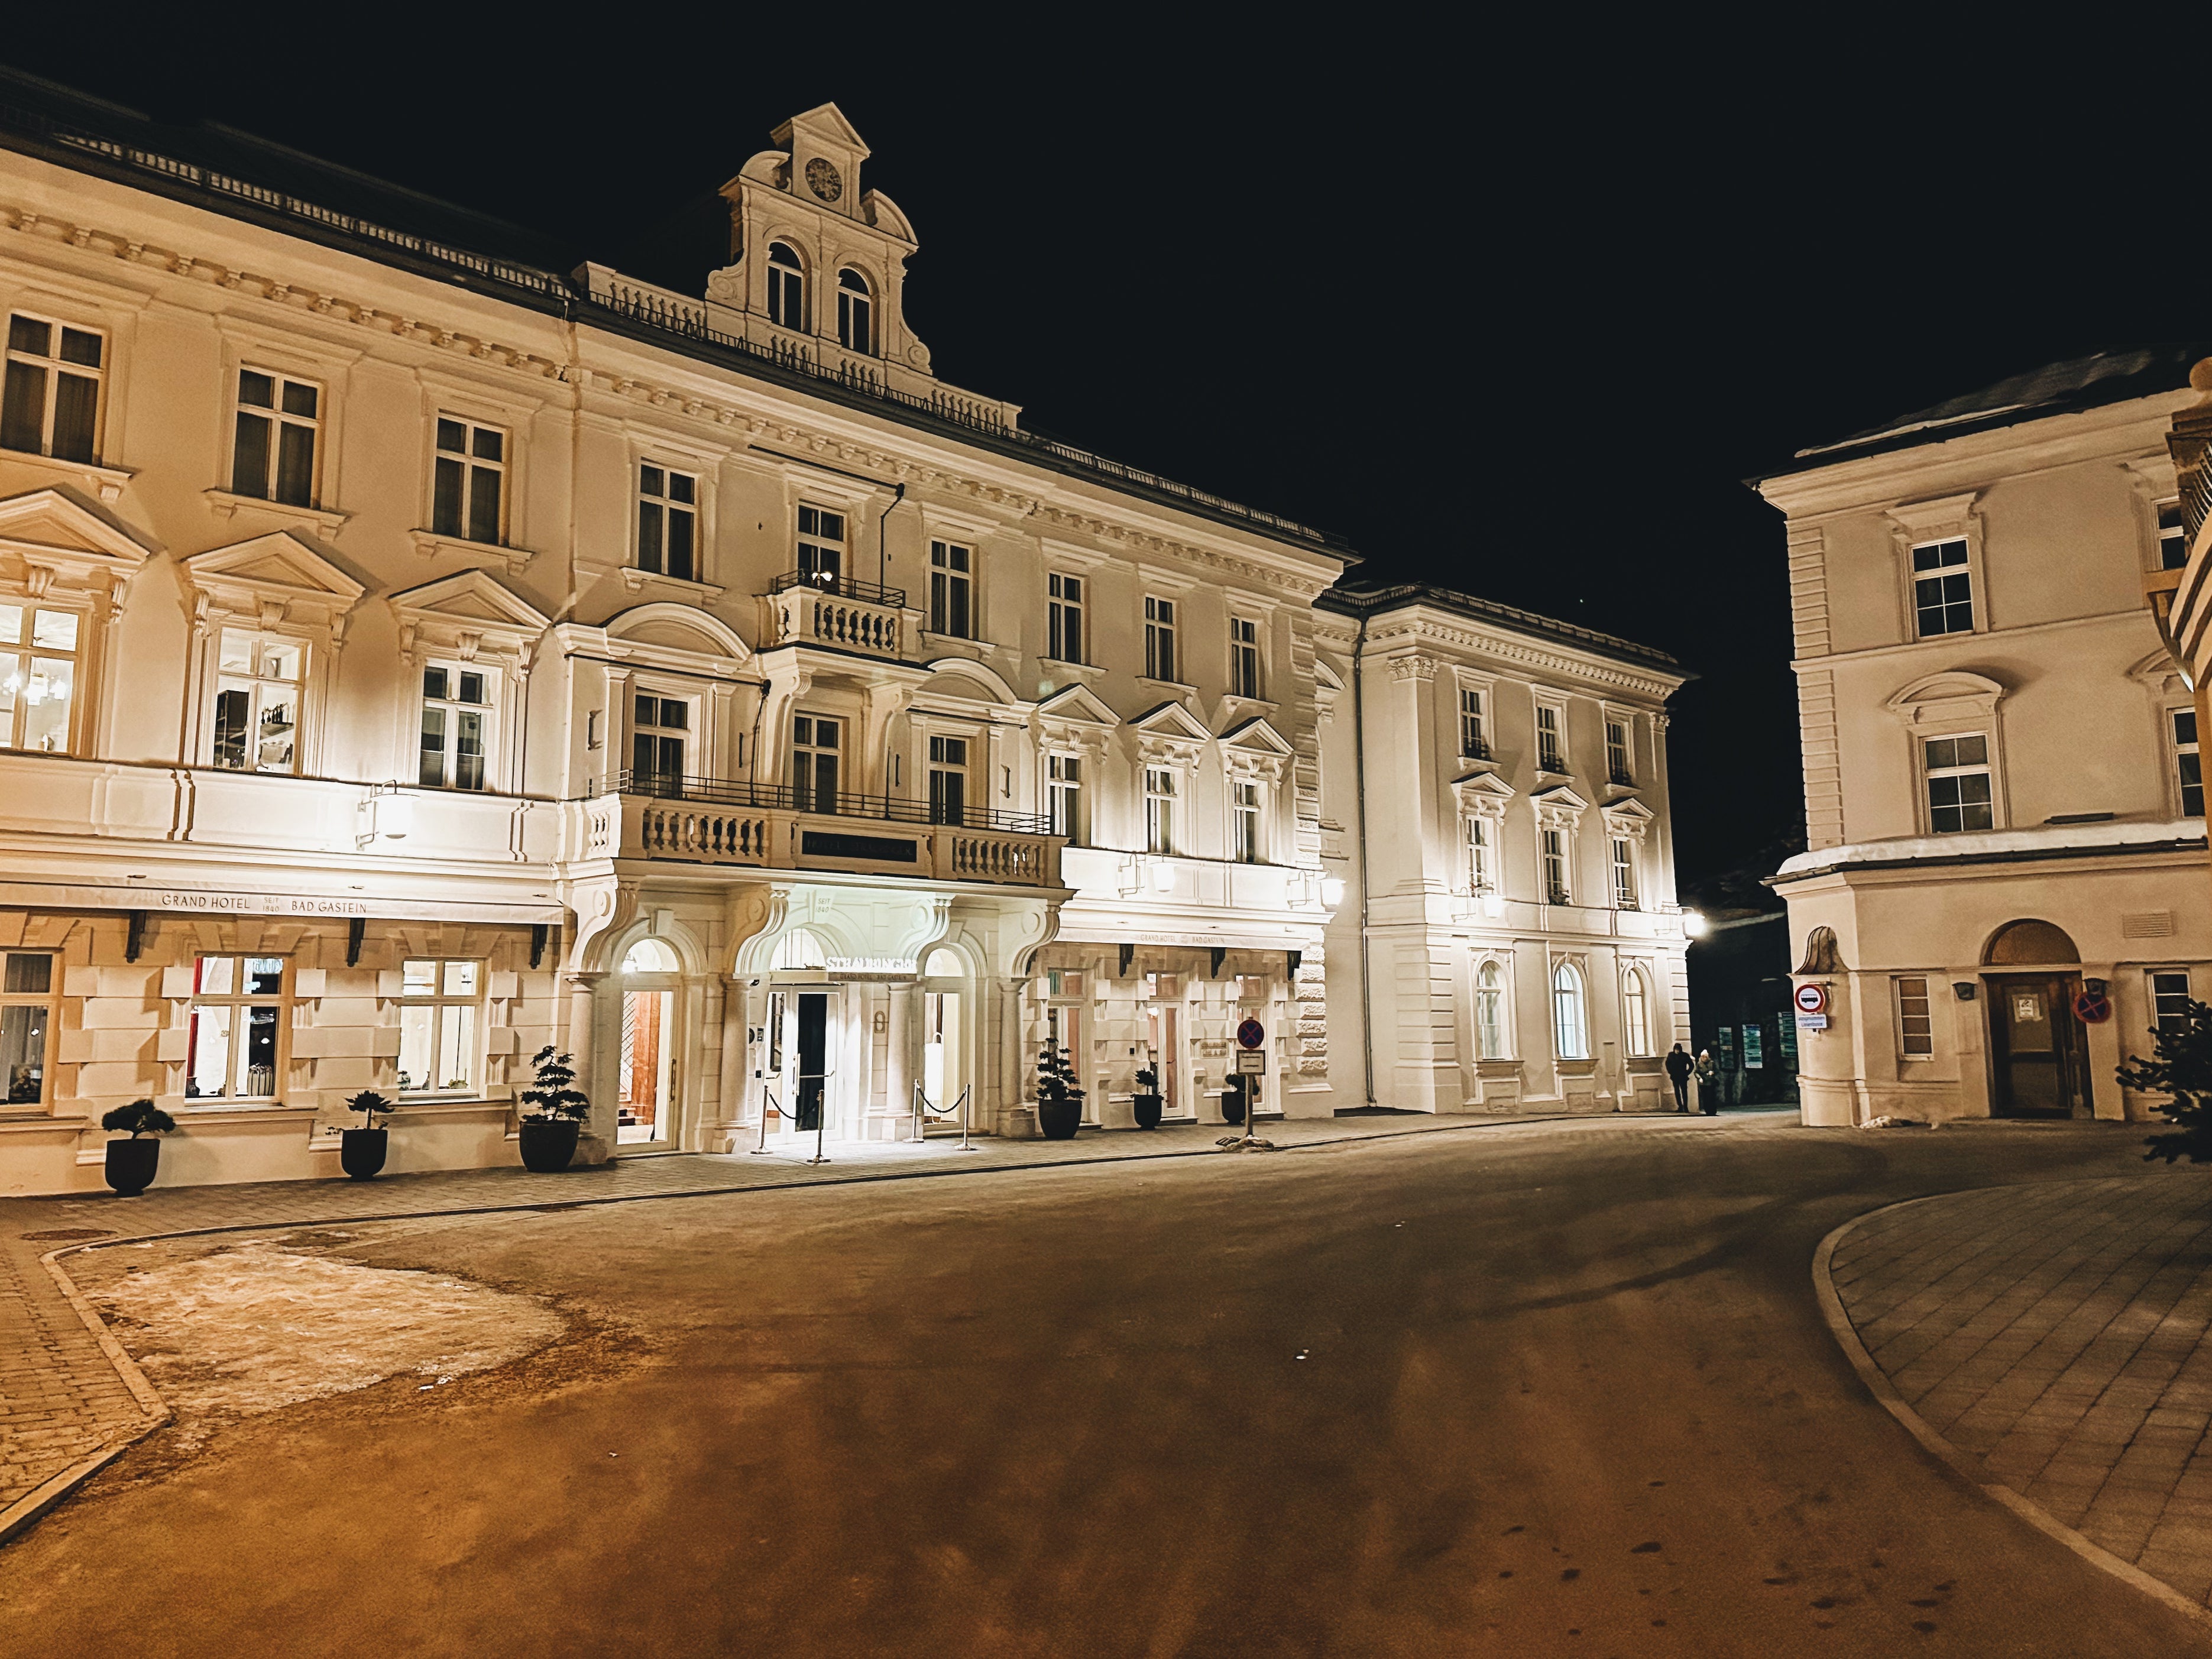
<point x="780" y="797"/>
<point x="1624" y="777"/>
<point x="1474" y="749"/>
<point x="843" y="587"/>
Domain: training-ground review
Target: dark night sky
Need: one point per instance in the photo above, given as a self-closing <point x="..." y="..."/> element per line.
<point x="1514" y="314"/>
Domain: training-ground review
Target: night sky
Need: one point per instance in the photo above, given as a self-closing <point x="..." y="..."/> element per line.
<point x="1515" y="314"/>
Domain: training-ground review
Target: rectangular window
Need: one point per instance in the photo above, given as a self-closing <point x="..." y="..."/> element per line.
<point x="948" y="780"/>
<point x="237" y="1018"/>
<point x="456" y="726"/>
<point x="1159" y="639"/>
<point x="1063" y="795"/>
<point x="1064" y="609"/>
<point x="1942" y="589"/>
<point x="438" y="1021"/>
<point x="2172" y="537"/>
<point x="468" y="481"/>
<point x="1479" y="873"/>
<point x="1551" y="753"/>
<point x="1159" y="809"/>
<point x="817" y="745"/>
<point x="1623" y="872"/>
<point x="667" y="522"/>
<point x="1958" y="773"/>
<point x="272" y="454"/>
<point x="1554" y="843"/>
<point x="50" y="403"/>
<point x="659" y="729"/>
<point x="27" y="994"/>
<point x="1246" y="846"/>
<point x="1474" y="740"/>
<point x="2169" y="1000"/>
<point x="2188" y="762"/>
<point x="38" y="677"/>
<point x="256" y="701"/>
<point x="1244" y="658"/>
<point x="821" y="546"/>
<point x="950" y="592"/>
<point x="1618" y="754"/>
<point x="1916" y="1024"/>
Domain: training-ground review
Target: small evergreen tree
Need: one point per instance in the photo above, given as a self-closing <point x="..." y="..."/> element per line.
<point x="2181" y="1068"/>
<point x="1056" y="1076"/>
<point x="371" y="1105"/>
<point x="554" y="1096"/>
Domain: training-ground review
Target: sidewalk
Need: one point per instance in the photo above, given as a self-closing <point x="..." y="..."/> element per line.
<point x="65" y="1402"/>
<point x="2052" y="1339"/>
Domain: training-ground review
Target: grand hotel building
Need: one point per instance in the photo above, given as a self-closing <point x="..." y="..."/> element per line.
<point x="411" y="654"/>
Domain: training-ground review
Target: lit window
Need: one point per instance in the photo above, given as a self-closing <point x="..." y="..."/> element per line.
<point x="1159" y="809"/>
<point x="1942" y="589"/>
<point x="237" y="1023"/>
<point x="50" y="402"/>
<point x="1915" y="1022"/>
<point x="854" y="331"/>
<point x="1490" y="1011"/>
<point x="456" y="726"/>
<point x="1063" y="795"/>
<point x="1479" y="873"/>
<point x="2172" y="538"/>
<point x="1570" y="1037"/>
<point x="1244" y="658"/>
<point x="272" y="454"/>
<point x="1636" y="1012"/>
<point x="438" y="1004"/>
<point x="1554" y="845"/>
<point x="1550" y="754"/>
<point x="667" y="522"/>
<point x="660" y="728"/>
<point x="816" y="746"/>
<point x="2169" y="998"/>
<point x="26" y="993"/>
<point x="468" y="481"/>
<point x="1063" y="597"/>
<point x="1958" y="774"/>
<point x="1245" y="813"/>
<point x="1624" y="873"/>
<point x="2188" y="762"/>
<point x="787" y="287"/>
<point x="821" y="546"/>
<point x="948" y="780"/>
<point x="1617" y="755"/>
<point x="257" y="702"/>
<point x="38" y="685"/>
<point x="951" y="610"/>
<point x="1159" y="639"/>
<point x="1473" y="741"/>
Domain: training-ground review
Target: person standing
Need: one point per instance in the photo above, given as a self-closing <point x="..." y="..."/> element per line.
<point x="1678" y="1067"/>
<point x="1708" y="1083"/>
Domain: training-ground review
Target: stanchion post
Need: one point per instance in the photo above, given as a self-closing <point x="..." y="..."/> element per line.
<point x="766" y="1096"/>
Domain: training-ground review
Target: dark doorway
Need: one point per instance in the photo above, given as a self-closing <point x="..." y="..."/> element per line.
<point x="813" y="1031"/>
<point x="2036" y="1047"/>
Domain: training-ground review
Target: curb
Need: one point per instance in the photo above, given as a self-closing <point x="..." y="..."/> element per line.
<point x="1963" y="1463"/>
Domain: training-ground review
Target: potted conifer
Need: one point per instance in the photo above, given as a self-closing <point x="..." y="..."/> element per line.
<point x="131" y="1164"/>
<point x="554" y="1112"/>
<point x="1146" y="1102"/>
<point x="1059" y="1102"/>
<point x="362" y="1151"/>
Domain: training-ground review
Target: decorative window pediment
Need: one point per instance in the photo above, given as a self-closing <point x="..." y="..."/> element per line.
<point x="1168" y="734"/>
<point x="1073" y="718"/>
<point x="665" y="635"/>
<point x="1482" y="795"/>
<point x="1627" y="819"/>
<point x="1254" y="750"/>
<point x="1559" y="808"/>
<point x="464" y="614"/>
<point x="1954" y="696"/>
<point x="58" y="538"/>
<point x="274" y="580"/>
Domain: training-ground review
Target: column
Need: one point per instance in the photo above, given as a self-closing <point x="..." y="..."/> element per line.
<point x="899" y="1069"/>
<point x="597" y="1143"/>
<point x="730" y="1104"/>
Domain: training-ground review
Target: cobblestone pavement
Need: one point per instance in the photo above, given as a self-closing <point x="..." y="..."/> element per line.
<point x="2056" y="1334"/>
<point x="62" y="1400"/>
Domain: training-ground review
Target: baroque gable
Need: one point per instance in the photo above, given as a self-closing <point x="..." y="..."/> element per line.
<point x="56" y="537"/>
<point x="272" y="579"/>
<point x="465" y="614"/>
<point x="1168" y="734"/>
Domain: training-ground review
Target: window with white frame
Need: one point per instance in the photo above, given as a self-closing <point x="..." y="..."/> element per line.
<point x="259" y="681"/>
<point x="2188" y="761"/>
<point x="2169" y="999"/>
<point x="1474" y="737"/>
<point x="787" y="287"/>
<point x="1244" y="658"/>
<point x="821" y="546"/>
<point x="1159" y="639"/>
<point x="1064" y="618"/>
<point x="272" y="456"/>
<point x="1159" y="809"/>
<point x="1552" y="843"/>
<point x="1551" y="743"/>
<point x="1570" y="1030"/>
<point x="1636" y="1012"/>
<point x="1063" y="795"/>
<point x="50" y="400"/>
<point x="1247" y="841"/>
<point x="1619" y="759"/>
<point x="1916" y="1017"/>
<point x="2172" y="537"/>
<point x="38" y="677"/>
<point x="439" y="1015"/>
<point x="1481" y="874"/>
<point x="855" y="312"/>
<point x="948" y="780"/>
<point x="1957" y="773"/>
<point x="1623" y="872"/>
<point x="457" y="709"/>
<point x="1489" y="1024"/>
<point x="818" y="750"/>
<point x="667" y="522"/>
<point x="237" y="1018"/>
<point x="27" y="1011"/>
<point x="660" y="732"/>
<point x="468" y="481"/>
<point x="1942" y="589"/>
<point x="952" y="609"/>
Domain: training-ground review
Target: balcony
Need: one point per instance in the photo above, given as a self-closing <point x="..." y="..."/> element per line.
<point x="714" y="821"/>
<point x="1474" y="749"/>
<point x="838" y="612"/>
<point x="1621" y="778"/>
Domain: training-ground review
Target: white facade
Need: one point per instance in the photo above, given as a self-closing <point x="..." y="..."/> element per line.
<point x="417" y="657"/>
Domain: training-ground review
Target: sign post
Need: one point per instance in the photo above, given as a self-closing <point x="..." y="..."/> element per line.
<point x="1251" y="1060"/>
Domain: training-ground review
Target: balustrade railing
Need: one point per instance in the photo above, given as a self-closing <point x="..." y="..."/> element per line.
<point x="889" y="808"/>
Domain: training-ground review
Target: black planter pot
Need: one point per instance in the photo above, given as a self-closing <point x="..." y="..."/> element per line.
<point x="131" y="1164"/>
<point x="548" y="1143"/>
<point x="1232" y="1102"/>
<point x="1147" y="1108"/>
<point x="1058" y="1118"/>
<point x="361" y="1151"/>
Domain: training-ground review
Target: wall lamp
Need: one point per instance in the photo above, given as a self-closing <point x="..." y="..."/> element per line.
<point x="1693" y="924"/>
<point x="383" y="814"/>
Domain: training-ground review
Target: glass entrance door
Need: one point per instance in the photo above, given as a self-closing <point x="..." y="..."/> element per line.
<point x="810" y="1049"/>
<point x="643" y="1093"/>
<point x="2036" y="1047"/>
<point x="1161" y="1034"/>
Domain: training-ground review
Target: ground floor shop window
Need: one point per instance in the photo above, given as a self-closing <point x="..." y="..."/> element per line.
<point x="26" y="1012"/>
<point x="237" y="1028"/>
<point x="438" y="1023"/>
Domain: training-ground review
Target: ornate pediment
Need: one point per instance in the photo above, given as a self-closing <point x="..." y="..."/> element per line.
<point x="1559" y="808"/>
<point x="1168" y="733"/>
<point x="1628" y="818"/>
<point x="1953" y="695"/>
<point x="465" y="614"/>
<point x="1482" y="795"/>
<point x="1073" y="718"/>
<point x="1254" y="749"/>
<point x="274" y="579"/>
<point x="58" y="536"/>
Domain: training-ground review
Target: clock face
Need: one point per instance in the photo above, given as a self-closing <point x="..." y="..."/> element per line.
<point x="822" y="178"/>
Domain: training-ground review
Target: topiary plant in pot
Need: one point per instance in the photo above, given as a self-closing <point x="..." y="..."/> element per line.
<point x="554" y="1112"/>
<point x="1059" y="1102"/>
<point x="361" y="1151"/>
<point x="131" y="1164"/>
<point x="1146" y="1102"/>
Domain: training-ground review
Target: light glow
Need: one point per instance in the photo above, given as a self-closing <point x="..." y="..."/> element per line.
<point x="1693" y="924"/>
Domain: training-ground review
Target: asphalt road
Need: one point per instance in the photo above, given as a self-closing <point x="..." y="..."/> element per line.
<point x="1546" y="1393"/>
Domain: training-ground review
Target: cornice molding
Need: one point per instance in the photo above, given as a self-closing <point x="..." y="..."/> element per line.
<point x="1518" y="648"/>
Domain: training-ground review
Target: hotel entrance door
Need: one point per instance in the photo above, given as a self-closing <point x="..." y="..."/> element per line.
<point x="2036" y="1047"/>
<point x="809" y="1049"/>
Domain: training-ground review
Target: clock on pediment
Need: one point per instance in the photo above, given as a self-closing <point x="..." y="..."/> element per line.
<point x="822" y="178"/>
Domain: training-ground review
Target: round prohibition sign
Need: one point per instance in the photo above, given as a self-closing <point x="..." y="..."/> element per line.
<point x="1812" y="999"/>
<point x="1251" y="1033"/>
<point x="2093" y="1008"/>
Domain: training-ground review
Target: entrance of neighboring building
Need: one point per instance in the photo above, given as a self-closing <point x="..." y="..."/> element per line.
<point x="645" y="1102"/>
<point x="2038" y="1054"/>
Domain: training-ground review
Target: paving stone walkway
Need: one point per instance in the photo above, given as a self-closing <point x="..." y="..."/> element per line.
<point x="2057" y="1335"/>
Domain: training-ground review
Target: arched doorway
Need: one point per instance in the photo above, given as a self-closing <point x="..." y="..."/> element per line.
<point x="645" y="1082"/>
<point x="802" y="1013"/>
<point x="2038" y="1052"/>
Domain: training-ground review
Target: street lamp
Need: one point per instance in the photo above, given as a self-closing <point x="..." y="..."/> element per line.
<point x="1693" y="924"/>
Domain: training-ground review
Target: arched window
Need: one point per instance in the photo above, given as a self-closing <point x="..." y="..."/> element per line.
<point x="1570" y="1034"/>
<point x="944" y="965"/>
<point x="854" y="312"/>
<point x="1490" y="1012"/>
<point x="650" y="956"/>
<point x="1636" y="1010"/>
<point x="799" y="949"/>
<point x="787" y="287"/>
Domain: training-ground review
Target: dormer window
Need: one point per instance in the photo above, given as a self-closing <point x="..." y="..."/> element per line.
<point x="787" y="287"/>
<point x="855" y="330"/>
